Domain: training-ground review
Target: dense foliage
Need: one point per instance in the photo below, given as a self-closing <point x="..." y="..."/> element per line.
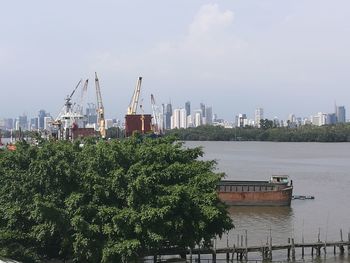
<point x="306" y="133"/>
<point x="106" y="201"/>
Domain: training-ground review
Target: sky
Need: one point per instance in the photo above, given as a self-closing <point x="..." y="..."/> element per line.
<point x="289" y="56"/>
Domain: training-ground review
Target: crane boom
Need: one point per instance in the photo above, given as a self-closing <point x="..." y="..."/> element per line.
<point x="100" y="109"/>
<point x="135" y="98"/>
<point x="156" y="115"/>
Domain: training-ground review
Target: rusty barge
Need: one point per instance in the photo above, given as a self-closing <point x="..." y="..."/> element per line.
<point x="277" y="191"/>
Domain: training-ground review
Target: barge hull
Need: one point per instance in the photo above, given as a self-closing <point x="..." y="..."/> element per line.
<point x="268" y="198"/>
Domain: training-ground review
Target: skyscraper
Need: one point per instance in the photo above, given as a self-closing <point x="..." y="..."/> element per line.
<point x="188" y="108"/>
<point x="208" y="116"/>
<point x="340" y="113"/>
<point x="41" y="119"/>
<point x="259" y="115"/>
<point x="202" y="107"/>
<point x="167" y="116"/>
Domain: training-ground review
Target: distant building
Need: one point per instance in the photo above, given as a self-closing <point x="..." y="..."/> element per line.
<point x="23" y="122"/>
<point x="168" y="111"/>
<point x="34" y="124"/>
<point x="202" y="107"/>
<point x="41" y="119"/>
<point x="241" y="120"/>
<point x="259" y="115"/>
<point x="340" y="113"/>
<point x="179" y="119"/>
<point x="91" y="114"/>
<point x="208" y="116"/>
<point x="47" y="123"/>
<point x="197" y="120"/>
<point x="188" y="108"/>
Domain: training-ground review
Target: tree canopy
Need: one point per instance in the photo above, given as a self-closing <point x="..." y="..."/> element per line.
<point x="106" y="201"/>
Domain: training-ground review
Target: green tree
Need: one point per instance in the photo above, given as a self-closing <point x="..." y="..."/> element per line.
<point x="106" y="201"/>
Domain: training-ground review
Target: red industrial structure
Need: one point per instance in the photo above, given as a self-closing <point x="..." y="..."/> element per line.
<point x="138" y="123"/>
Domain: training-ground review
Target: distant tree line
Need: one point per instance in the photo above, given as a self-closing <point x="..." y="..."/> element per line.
<point x="267" y="132"/>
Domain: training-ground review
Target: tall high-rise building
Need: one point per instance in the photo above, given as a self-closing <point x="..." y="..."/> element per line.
<point x="208" y="116"/>
<point x="91" y="114"/>
<point x="259" y="115"/>
<point x="197" y="120"/>
<point x="179" y="119"/>
<point x="188" y="108"/>
<point x="202" y="107"/>
<point x="168" y="111"/>
<point x="34" y="123"/>
<point x="41" y="119"/>
<point x="23" y="122"/>
<point x="340" y="113"/>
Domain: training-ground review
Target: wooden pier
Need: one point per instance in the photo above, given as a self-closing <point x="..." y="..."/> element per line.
<point x="241" y="251"/>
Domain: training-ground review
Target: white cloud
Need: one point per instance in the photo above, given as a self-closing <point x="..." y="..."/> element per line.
<point x="209" y="20"/>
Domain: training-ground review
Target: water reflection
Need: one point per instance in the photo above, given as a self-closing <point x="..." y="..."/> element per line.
<point x="260" y="223"/>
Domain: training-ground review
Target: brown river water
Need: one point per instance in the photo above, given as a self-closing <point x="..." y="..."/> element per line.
<point x="318" y="169"/>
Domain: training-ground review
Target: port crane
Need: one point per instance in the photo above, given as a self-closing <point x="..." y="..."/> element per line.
<point x="156" y="116"/>
<point x="70" y="116"/>
<point x="135" y="98"/>
<point x="100" y="108"/>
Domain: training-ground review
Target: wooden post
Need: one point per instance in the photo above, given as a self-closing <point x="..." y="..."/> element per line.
<point x="325" y="247"/>
<point x="214" y="252"/>
<point x="349" y="243"/>
<point x="341" y="247"/>
<point x="233" y="252"/>
<point x="293" y="249"/>
<point x="334" y="250"/>
<point x="318" y="236"/>
<point x="199" y="254"/>
<point x="270" y="248"/>
<point x="246" y="245"/>
<point x="341" y="235"/>
<point x="190" y="255"/>
<point x="302" y="248"/>
<point x="288" y="250"/>
<point x="155" y="259"/>
<point x="227" y="246"/>
<point x="312" y="251"/>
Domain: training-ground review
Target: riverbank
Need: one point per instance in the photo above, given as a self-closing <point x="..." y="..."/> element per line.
<point x="306" y="133"/>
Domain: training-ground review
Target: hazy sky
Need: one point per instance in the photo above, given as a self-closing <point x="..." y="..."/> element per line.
<point x="235" y="55"/>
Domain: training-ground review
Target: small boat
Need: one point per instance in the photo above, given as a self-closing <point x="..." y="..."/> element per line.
<point x="275" y="192"/>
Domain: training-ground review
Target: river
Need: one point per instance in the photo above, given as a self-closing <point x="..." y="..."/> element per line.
<point x="318" y="169"/>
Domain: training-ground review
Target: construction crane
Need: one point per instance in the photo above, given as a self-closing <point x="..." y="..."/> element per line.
<point x="100" y="109"/>
<point x="156" y="116"/>
<point x="135" y="98"/>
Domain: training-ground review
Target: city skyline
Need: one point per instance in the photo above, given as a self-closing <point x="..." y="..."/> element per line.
<point x="282" y="56"/>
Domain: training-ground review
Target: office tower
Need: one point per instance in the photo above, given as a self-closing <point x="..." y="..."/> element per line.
<point x="259" y="115"/>
<point x="47" y="123"/>
<point x="9" y="124"/>
<point x="202" y="107"/>
<point x="188" y="108"/>
<point x="208" y="116"/>
<point x="242" y="120"/>
<point x="175" y="119"/>
<point x="168" y="111"/>
<point x="340" y="112"/>
<point x="34" y="123"/>
<point x="91" y="114"/>
<point x="183" y="118"/>
<point x="41" y="119"/>
<point x="197" y="120"/>
<point x="23" y="122"/>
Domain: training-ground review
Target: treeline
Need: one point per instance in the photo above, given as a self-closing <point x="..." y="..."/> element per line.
<point x="306" y="133"/>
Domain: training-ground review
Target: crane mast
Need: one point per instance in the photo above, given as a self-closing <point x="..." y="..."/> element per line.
<point x="100" y="109"/>
<point x="156" y="116"/>
<point x="135" y="98"/>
